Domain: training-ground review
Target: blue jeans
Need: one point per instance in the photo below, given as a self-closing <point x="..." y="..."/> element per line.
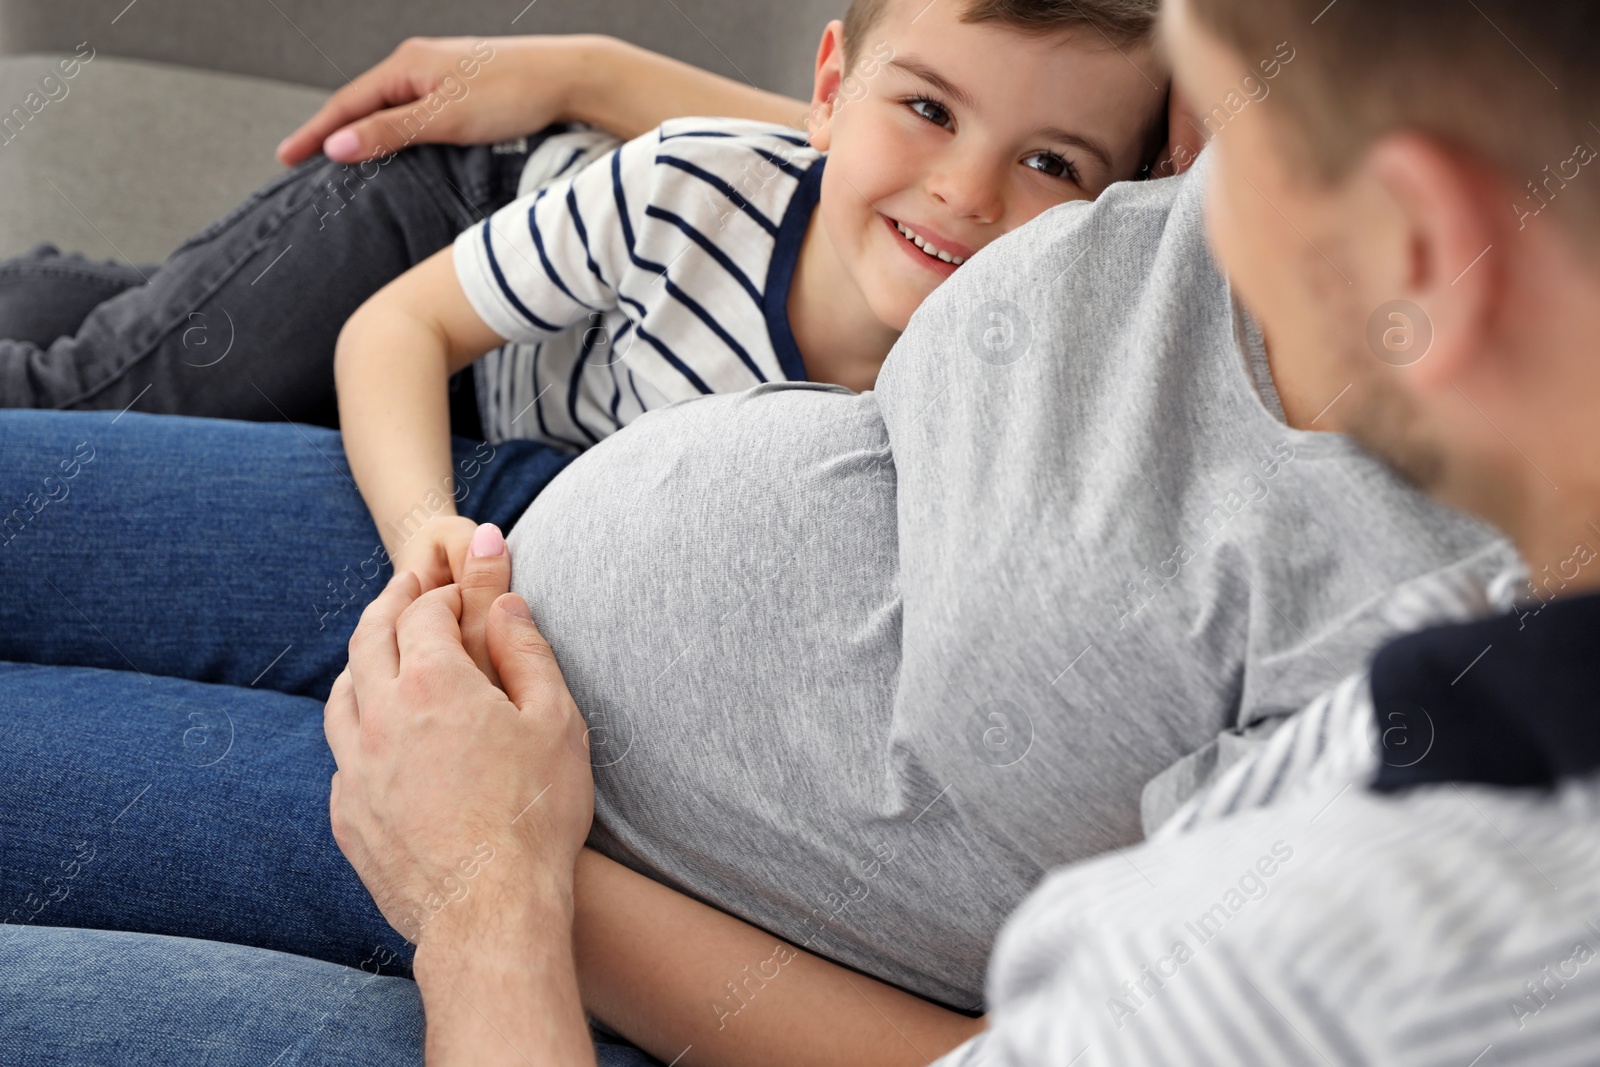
<point x="140" y="998"/>
<point x="181" y="552"/>
<point x="68" y="1000"/>
<point x="196" y="815"/>
<point x="215" y="550"/>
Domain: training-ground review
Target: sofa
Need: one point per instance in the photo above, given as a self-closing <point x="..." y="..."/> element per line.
<point x="173" y="107"/>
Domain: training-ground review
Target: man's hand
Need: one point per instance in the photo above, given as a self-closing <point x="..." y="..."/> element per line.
<point x="448" y="90"/>
<point x="446" y="786"/>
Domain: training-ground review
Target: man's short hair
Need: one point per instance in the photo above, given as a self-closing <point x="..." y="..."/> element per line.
<point x="1121" y="22"/>
<point x="1514" y="81"/>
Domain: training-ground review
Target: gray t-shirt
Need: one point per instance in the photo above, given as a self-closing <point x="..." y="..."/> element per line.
<point x="862" y="668"/>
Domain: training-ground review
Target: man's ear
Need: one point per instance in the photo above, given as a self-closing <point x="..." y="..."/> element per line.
<point x="825" y="85"/>
<point x="1450" y="210"/>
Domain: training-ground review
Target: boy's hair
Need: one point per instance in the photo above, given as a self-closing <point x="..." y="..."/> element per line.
<point x="1484" y="79"/>
<point x="1121" y="22"/>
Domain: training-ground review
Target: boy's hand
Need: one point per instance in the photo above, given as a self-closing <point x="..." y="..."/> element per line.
<point x="437" y="552"/>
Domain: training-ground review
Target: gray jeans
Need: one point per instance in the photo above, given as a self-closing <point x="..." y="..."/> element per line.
<point x="240" y="321"/>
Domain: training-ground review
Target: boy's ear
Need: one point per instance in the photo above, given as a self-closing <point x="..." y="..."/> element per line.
<point x="825" y="86"/>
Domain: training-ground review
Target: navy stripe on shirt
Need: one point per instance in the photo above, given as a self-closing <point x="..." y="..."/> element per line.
<point x="597" y="240"/>
<point x="722" y="187"/>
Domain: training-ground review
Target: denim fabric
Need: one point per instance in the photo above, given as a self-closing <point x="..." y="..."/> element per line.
<point x="93" y="997"/>
<point x="215" y="550"/>
<point x="90" y="998"/>
<point x="159" y="806"/>
<point x="240" y="321"/>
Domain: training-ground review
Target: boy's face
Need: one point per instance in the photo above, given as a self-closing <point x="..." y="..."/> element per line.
<point x="960" y="132"/>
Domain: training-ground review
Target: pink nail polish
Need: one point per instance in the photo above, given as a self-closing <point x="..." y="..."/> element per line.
<point x="341" y="145"/>
<point x="487" y="541"/>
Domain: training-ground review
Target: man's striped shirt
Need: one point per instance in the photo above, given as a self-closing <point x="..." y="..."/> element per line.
<point x="1348" y="894"/>
<point x="655" y="272"/>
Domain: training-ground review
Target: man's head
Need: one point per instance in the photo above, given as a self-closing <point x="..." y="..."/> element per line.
<point x="1410" y="216"/>
<point x="958" y="120"/>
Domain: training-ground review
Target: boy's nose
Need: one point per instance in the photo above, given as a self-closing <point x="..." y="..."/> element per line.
<point x="970" y="187"/>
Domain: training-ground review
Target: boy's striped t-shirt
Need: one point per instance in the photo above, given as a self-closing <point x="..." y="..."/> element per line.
<point x="655" y="272"/>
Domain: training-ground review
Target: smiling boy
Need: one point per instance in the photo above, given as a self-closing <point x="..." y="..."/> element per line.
<point x="715" y="255"/>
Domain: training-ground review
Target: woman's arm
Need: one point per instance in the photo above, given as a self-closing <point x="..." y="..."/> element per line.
<point x="656" y="965"/>
<point x="463" y="90"/>
<point x="650" y="962"/>
<point x="629" y="90"/>
<point x="679" y="978"/>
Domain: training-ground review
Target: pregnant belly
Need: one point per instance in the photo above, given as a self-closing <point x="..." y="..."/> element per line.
<point x="719" y="582"/>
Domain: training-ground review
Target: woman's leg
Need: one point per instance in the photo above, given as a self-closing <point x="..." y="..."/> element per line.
<point x="221" y="551"/>
<point x="198" y="813"/>
<point x="158" y="805"/>
<point x="93" y="997"/>
<point x="240" y="321"/>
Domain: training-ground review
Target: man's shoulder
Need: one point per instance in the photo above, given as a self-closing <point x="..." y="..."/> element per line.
<point x="1404" y="910"/>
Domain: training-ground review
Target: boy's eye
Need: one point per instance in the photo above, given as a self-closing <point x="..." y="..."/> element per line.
<point x="1054" y="166"/>
<point x="931" y="110"/>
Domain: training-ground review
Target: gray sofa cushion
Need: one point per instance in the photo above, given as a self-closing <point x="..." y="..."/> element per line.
<point x="135" y="156"/>
<point x="768" y="42"/>
<point x="142" y="154"/>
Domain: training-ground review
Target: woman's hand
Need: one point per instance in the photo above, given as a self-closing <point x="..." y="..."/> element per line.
<point x="483" y="576"/>
<point x="448" y="90"/>
<point x="437" y="552"/>
<point x="424" y="93"/>
<point x="448" y="789"/>
<point x="474" y="559"/>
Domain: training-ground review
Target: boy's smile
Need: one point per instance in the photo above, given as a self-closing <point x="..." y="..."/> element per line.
<point x="946" y="134"/>
<point x="929" y="248"/>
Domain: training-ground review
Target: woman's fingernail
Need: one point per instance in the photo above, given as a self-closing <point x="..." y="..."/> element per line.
<point x="512" y="604"/>
<point x="279" y="150"/>
<point x="344" y="143"/>
<point x="487" y="541"/>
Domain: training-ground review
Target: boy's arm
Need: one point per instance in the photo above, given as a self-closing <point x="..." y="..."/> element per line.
<point x="392" y="367"/>
<point x="524" y="274"/>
